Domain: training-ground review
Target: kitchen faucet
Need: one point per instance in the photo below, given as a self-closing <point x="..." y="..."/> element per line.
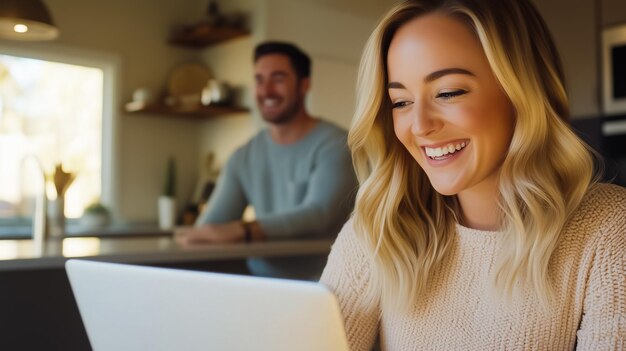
<point x="40" y="228"/>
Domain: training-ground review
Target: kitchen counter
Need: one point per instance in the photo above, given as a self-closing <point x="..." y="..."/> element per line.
<point x="74" y="229"/>
<point x="148" y="249"/>
<point x="40" y="312"/>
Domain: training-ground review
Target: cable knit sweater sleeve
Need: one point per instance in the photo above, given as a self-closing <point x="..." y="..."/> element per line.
<point x="347" y="275"/>
<point x="603" y="326"/>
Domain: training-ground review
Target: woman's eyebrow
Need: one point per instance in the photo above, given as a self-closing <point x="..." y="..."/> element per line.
<point x="395" y="85"/>
<point x="443" y="72"/>
<point x="433" y="76"/>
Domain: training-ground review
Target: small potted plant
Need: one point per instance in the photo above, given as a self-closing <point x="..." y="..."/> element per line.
<point x="167" y="200"/>
<point x="96" y="215"/>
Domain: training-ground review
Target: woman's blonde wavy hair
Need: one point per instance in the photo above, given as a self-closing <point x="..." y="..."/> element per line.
<point x="404" y="224"/>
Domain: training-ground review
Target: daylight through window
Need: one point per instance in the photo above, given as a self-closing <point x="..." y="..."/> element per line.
<point x="50" y="113"/>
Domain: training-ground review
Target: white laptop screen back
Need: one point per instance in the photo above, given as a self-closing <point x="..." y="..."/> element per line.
<point x="128" y="307"/>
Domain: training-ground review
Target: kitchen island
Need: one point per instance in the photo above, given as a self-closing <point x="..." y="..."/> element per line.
<point x="154" y="248"/>
<point x="38" y="307"/>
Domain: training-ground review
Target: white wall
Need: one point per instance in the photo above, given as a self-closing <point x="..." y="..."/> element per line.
<point x="333" y="90"/>
<point x="232" y="63"/>
<point x="575" y="36"/>
<point x="613" y="12"/>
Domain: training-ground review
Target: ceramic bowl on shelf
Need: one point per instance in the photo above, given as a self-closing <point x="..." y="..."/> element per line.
<point x="188" y="79"/>
<point x="216" y="92"/>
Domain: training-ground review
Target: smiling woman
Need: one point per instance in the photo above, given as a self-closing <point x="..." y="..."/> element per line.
<point x="479" y="223"/>
<point x="451" y="98"/>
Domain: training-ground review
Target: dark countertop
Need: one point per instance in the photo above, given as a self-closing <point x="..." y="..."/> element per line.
<point x="154" y="246"/>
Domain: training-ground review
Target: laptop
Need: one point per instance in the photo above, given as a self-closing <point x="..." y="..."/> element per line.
<point x="127" y="307"/>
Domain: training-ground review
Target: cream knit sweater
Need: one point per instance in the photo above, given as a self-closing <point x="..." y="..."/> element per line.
<point x="458" y="311"/>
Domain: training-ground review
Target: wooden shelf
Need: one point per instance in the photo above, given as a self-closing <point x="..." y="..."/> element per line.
<point x="195" y="36"/>
<point x="198" y="112"/>
<point x="203" y="34"/>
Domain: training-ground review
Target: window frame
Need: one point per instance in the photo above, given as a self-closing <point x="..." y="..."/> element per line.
<point x="109" y="63"/>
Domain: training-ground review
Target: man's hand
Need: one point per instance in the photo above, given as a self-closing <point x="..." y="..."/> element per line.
<point x="225" y="233"/>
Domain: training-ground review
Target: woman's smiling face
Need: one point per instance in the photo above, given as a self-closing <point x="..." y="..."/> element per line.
<point x="449" y="110"/>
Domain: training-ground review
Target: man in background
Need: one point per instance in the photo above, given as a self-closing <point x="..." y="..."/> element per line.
<point x="297" y="173"/>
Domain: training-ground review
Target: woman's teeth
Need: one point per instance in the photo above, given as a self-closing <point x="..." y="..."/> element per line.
<point x="445" y="150"/>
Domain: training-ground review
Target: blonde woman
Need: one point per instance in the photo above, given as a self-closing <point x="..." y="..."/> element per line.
<point x="479" y="224"/>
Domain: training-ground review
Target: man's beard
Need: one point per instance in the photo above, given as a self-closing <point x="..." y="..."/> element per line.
<point x="286" y="116"/>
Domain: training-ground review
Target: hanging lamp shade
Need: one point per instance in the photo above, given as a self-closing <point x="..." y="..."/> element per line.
<point x="27" y="20"/>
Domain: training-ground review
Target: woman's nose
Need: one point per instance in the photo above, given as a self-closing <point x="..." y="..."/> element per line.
<point x="424" y="121"/>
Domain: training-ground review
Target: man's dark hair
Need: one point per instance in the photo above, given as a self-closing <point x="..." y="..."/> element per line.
<point x="300" y="61"/>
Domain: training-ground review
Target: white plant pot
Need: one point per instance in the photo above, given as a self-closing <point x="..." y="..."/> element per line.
<point x="56" y="217"/>
<point x="167" y="212"/>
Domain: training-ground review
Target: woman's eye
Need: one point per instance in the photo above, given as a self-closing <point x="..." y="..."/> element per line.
<point x="447" y="95"/>
<point x="400" y="104"/>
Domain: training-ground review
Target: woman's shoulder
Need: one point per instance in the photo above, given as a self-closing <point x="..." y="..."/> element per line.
<point x="348" y="252"/>
<point x="609" y="199"/>
<point x="601" y="212"/>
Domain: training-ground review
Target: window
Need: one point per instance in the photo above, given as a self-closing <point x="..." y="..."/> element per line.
<point x="51" y="113"/>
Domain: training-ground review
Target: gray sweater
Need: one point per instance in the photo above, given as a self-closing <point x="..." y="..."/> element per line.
<point x="305" y="189"/>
